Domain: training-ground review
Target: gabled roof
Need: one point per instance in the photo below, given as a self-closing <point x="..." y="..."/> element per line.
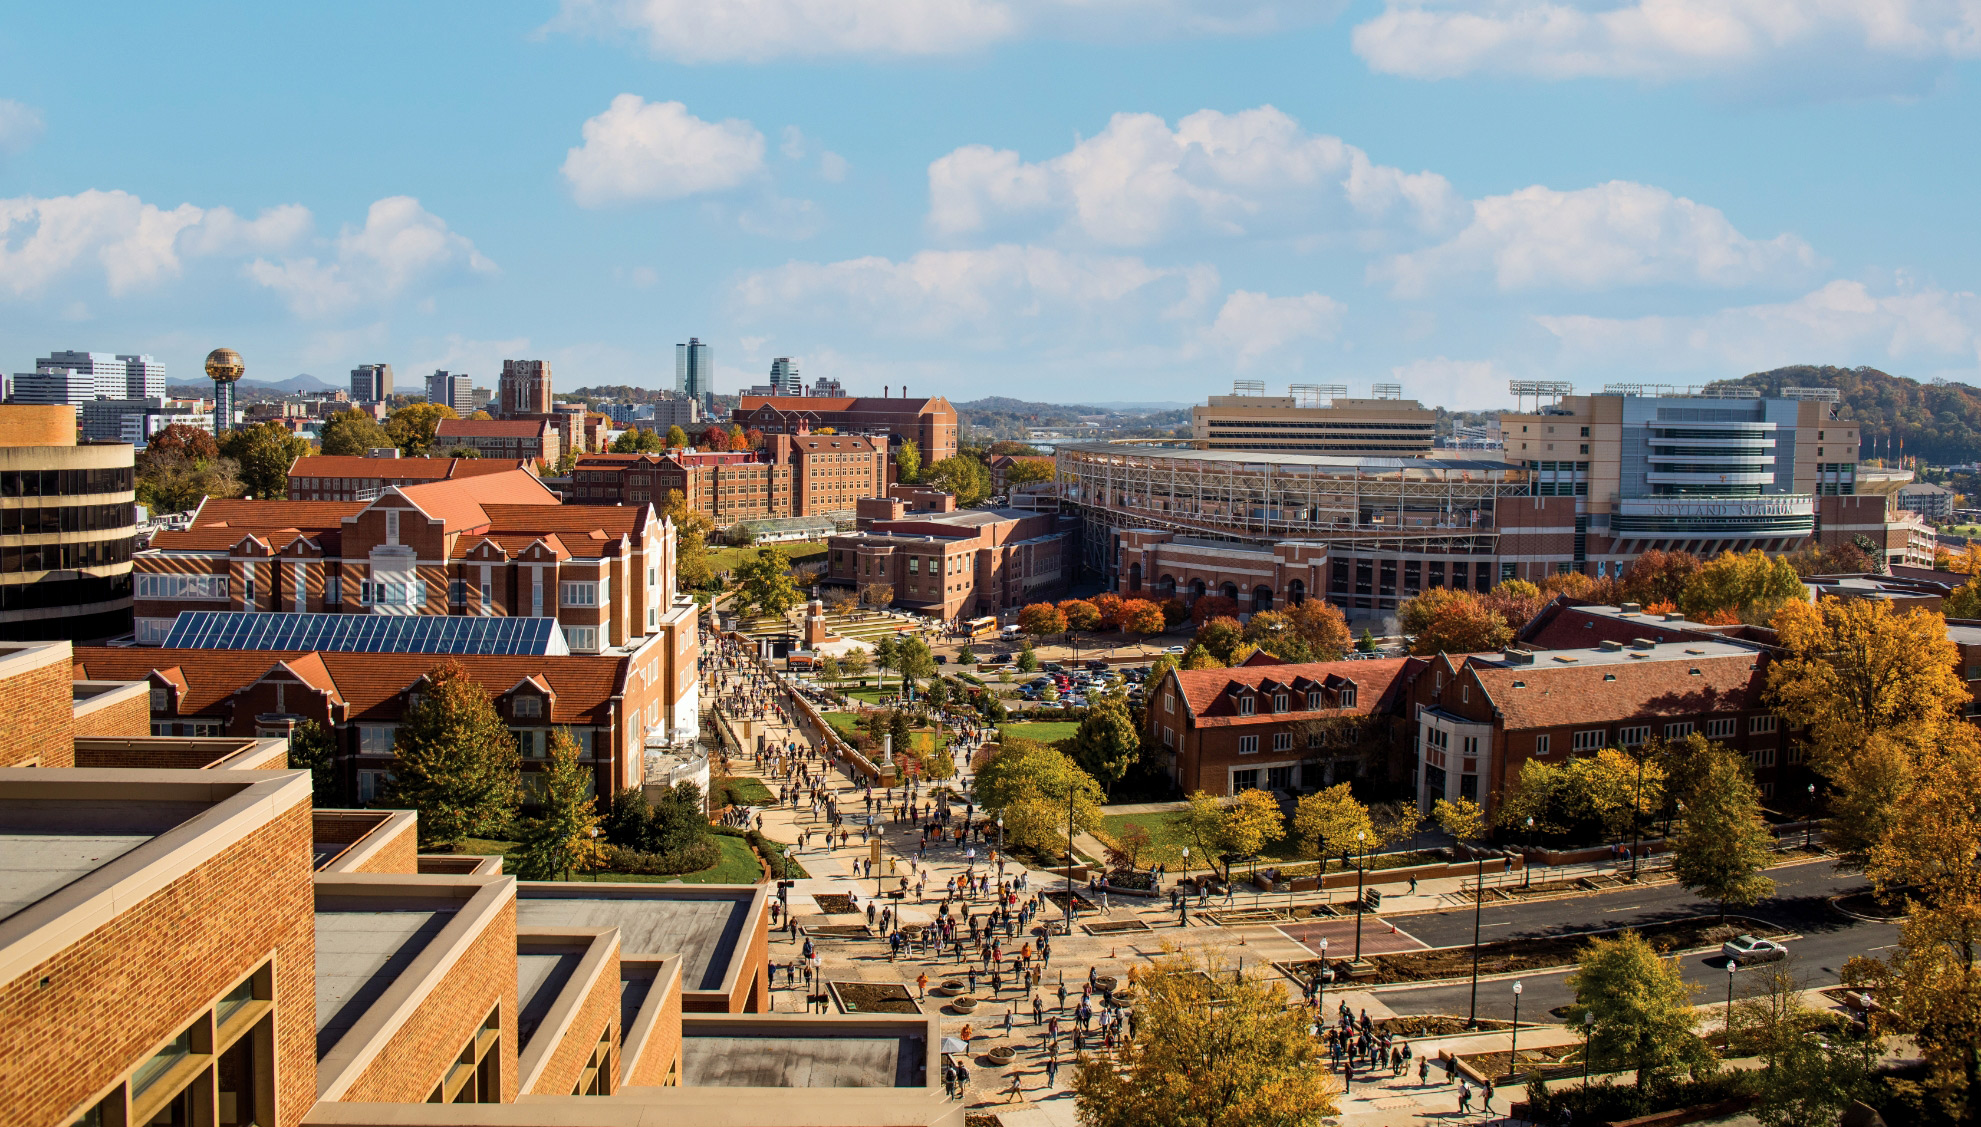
<point x="400" y="469"/>
<point x="824" y="403"/>
<point x="575" y="523"/>
<point x="1209" y="693"/>
<point x="1660" y="686"/>
<point x="222" y="523"/>
<point x="492" y="428"/>
<point x="460" y="504"/>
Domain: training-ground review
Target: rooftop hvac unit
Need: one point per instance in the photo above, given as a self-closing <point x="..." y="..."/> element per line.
<point x="1248" y="387"/>
<point x="1386" y="391"/>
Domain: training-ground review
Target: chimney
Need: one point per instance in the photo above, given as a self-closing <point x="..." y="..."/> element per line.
<point x="883" y="391"/>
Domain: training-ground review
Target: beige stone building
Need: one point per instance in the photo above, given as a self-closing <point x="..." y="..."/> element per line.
<point x="1310" y="424"/>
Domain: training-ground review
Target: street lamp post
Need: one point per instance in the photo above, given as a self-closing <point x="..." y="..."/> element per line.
<point x="1809" y="819"/>
<point x="1513" y="1054"/>
<point x="1360" y="869"/>
<point x="1069" y="861"/>
<point x="1588" y="1042"/>
<point x="1322" y="975"/>
<point x="1637" y="816"/>
<point x="1478" y="907"/>
<point x="1526" y="863"/>
<point x="1726" y="1023"/>
<point x="593" y="852"/>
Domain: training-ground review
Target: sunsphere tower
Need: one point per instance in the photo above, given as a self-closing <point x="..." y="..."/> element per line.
<point x="223" y="367"/>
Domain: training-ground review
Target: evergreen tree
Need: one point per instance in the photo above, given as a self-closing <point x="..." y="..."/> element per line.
<point x="455" y="761"/>
<point x="562" y="838"/>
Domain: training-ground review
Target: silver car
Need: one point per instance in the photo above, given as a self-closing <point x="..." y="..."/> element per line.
<point x="1747" y="949"/>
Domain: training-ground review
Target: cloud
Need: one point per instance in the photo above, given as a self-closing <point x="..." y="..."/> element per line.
<point x="985" y="298"/>
<point x="481" y="359"/>
<point x="1253" y="326"/>
<point x="20" y="126"/>
<point x="1458" y="384"/>
<point x="1252" y="173"/>
<point x="1614" y="234"/>
<point x="135" y="244"/>
<point x="703" y="31"/>
<point x="1844" y="322"/>
<point x="832" y="167"/>
<point x="1660" y="39"/>
<point x="400" y="244"/>
<point x="640" y="150"/>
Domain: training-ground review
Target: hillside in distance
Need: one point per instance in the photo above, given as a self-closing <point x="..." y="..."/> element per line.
<point x="1938" y="422"/>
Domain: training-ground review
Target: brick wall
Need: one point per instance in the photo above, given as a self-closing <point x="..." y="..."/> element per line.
<point x="663" y="1048"/>
<point x="41" y="718"/>
<point x="124" y="720"/>
<point x="400" y="853"/>
<point x="125" y="987"/>
<point x="598" y="1013"/>
<point x="753" y="985"/>
<point x="419" y="1054"/>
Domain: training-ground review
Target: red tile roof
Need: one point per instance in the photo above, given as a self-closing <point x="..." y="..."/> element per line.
<point x="400" y="469"/>
<point x="1614" y="691"/>
<point x="369" y="683"/>
<point x="461" y="504"/>
<point x="1561" y="626"/>
<point x="575" y="523"/>
<point x="824" y="403"/>
<point x="491" y="428"/>
<point x="1207" y="692"/>
<point x="221" y="523"/>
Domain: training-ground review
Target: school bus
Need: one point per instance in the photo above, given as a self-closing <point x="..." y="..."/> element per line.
<point x="982" y="628"/>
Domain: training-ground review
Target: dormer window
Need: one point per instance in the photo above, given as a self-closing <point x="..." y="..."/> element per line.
<point x="1245" y="706"/>
<point x="1279" y="702"/>
<point x="1314" y="700"/>
<point x="528" y="707"/>
<point x="1347" y="696"/>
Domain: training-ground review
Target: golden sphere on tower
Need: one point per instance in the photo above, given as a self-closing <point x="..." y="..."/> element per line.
<point x="223" y="365"/>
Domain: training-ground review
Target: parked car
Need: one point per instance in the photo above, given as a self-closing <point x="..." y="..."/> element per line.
<point x="1097" y="664"/>
<point x="1748" y="949"/>
<point x="942" y="659"/>
<point x="1053" y="667"/>
<point x="1177" y="650"/>
<point x="995" y="659"/>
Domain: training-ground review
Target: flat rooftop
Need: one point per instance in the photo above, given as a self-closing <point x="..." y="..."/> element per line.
<point x="704" y="925"/>
<point x="1664" y="651"/>
<point x="47" y="844"/>
<point x="1287" y="458"/>
<point x="540" y="975"/>
<point x="363" y="944"/>
<point x="758" y="1057"/>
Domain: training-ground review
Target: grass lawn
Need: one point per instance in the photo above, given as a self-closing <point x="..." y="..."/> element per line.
<point x="746" y="791"/>
<point x="1168" y="838"/>
<point x="728" y="559"/>
<point x="737" y="866"/>
<point x="845" y="723"/>
<point x="1044" y="731"/>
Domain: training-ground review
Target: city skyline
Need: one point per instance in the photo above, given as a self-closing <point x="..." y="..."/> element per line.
<point x="1141" y="201"/>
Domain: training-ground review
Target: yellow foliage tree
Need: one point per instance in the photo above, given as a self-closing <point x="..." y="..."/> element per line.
<point x="1331" y="817"/>
<point x="1740" y="582"/>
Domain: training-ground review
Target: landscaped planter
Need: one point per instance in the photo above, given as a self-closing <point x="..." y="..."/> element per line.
<point x="1001" y="1055"/>
<point x="950" y="987"/>
<point x="964" y="1004"/>
<point x="1118" y="890"/>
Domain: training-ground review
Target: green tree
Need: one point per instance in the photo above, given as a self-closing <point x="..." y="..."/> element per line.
<point x="561" y="839"/>
<point x="1036" y="788"/>
<point x="353" y="433"/>
<point x="1028" y="473"/>
<point x="566" y="462"/>
<point x="908" y="461"/>
<point x="763" y="583"/>
<point x="961" y="475"/>
<point x="1366" y="643"/>
<point x="1212" y="1048"/>
<point x="691" y="528"/>
<point x="1106" y="744"/>
<point x="312" y="749"/>
<point x="1028" y="659"/>
<point x="1721" y="841"/>
<point x="913" y="660"/>
<point x="264" y="452"/>
<point x="628" y="442"/>
<point x="1643" y="1009"/>
<point x="1220" y="637"/>
<point x="413" y="426"/>
<point x="1808" y="1079"/>
<point x="887" y="650"/>
<point x="173" y="482"/>
<point x="1200" y="658"/>
<point x="1586" y="795"/>
<point x="677" y="439"/>
<point x="454" y="761"/>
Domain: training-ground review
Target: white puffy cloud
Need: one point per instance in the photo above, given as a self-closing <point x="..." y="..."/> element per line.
<point x="1458" y="384"/>
<point x="699" y="31"/>
<point x="983" y="296"/>
<point x="1659" y="39"/>
<point x="134" y="243"/>
<point x="640" y="150"/>
<point x="1252" y="173"/>
<point x="400" y="244"/>
<point x="1844" y="322"/>
<point x="1252" y="327"/>
<point x="1614" y="234"/>
<point x="20" y="125"/>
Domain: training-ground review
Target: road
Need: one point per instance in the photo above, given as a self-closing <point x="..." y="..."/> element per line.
<point x="1828" y="939"/>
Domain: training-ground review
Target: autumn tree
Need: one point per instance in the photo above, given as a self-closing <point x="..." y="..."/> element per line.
<point x="1208" y="607"/>
<point x="454" y="759"/>
<point x="1036" y="789"/>
<point x="180" y="466"/>
<point x="692" y="569"/>
<point x="1079" y="615"/>
<point x="1220" y="637"/>
<point x="1462" y="819"/>
<point x="961" y="475"/>
<point x="1515" y="601"/>
<point x="1643" y="1009"/>
<point x="1041" y="620"/>
<point x="1414" y="616"/>
<point x="908" y="461"/>
<point x="1212" y="1047"/>
<point x="1600" y="795"/>
<point x="1331" y="817"/>
<point x="1658" y="576"/>
<point x="353" y="433"/>
<point x="1320" y="624"/>
<point x="1108" y="605"/>
<point x="1175" y="612"/>
<point x="1197" y="657"/>
<point x="715" y="437"/>
<point x="763" y="583"/>
<point x="1140" y="616"/>
<point x="1463" y="626"/>
<point x="1239" y="825"/>
<point x="562" y="838"/>
<point x="264" y="452"/>
<point x="1721" y="843"/>
<point x="412" y="428"/>
<point x="1741" y="583"/>
<point x="1029" y="471"/>
<point x="677" y="438"/>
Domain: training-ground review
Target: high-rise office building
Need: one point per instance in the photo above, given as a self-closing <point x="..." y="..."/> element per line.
<point x="371" y="383"/>
<point x="78" y="377"/>
<point x="524" y="388"/>
<point x="694" y="370"/>
<point x="451" y="389"/>
<point x="784" y="377"/>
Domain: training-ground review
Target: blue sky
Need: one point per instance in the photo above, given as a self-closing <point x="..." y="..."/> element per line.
<point x="1068" y="200"/>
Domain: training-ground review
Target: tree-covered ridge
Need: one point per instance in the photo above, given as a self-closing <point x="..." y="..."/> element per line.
<point x="1939" y="422"/>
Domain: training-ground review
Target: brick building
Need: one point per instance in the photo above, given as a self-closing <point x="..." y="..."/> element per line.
<point x="532" y="439"/>
<point x="929" y="423"/>
<point x="793" y="476"/>
<point x="956" y="564"/>
<point x="339" y="477"/>
<point x="1276" y="726"/>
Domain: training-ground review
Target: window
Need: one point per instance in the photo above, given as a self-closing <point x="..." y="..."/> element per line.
<point x="375" y="739"/>
<point x="1541" y="745"/>
<point x="1720" y="729"/>
<point x="248" y="582"/>
<point x="181" y="586"/>
<point x="1169" y="702"/>
<point x="1248" y="745"/>
<point x="457" y="592"/>
<point x="1760" y="725"/>
<point x="914" y="565"/>
<point x="578" y="594"/>
<point x="1631" y="737"/>
<point x="1279" y="702"/>
<point x="333" y="589"/>
<point x="529" y="744"/>
<point x="1314" y="700"/>
<point x="527" y="705"/>
<point x="1588" y="739"/>
<point x="1347" y="696"/>
<point x="1168" y="737"/>
<point x="1465" y="693"/>
<point x="1244" y="780"/>
<point x="1283" y="741"/>
<point x="160" y="698"/>
<point x="391" y="526"/>
<point x="1678" y="731"/>
<point x="1762" y="756"/>
<point x="1245" y="706"/>
<point x="152" y="631"/>
<point x="1279" y="778"/>
<point x="582" y="639"/>
<point x="1314" y="738"/>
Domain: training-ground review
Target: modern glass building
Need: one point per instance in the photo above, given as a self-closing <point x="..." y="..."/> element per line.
<point x="694" y="370"/>
<point x="67" y="529"/>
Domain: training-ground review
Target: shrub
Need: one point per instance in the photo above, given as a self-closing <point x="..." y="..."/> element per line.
<point x="701" y="855"/>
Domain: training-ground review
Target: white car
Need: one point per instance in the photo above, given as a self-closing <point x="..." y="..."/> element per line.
<point x="1747" y="949"/>
<point x="1177" y="650"/>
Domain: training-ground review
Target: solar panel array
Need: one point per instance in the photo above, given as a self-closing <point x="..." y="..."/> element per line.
<point x="367" y="633"/>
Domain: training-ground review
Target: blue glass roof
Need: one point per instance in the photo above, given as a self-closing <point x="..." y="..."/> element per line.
<point x="367" y="633"/>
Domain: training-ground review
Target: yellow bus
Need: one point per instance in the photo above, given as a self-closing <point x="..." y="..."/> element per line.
<point x="982" y="628"/>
